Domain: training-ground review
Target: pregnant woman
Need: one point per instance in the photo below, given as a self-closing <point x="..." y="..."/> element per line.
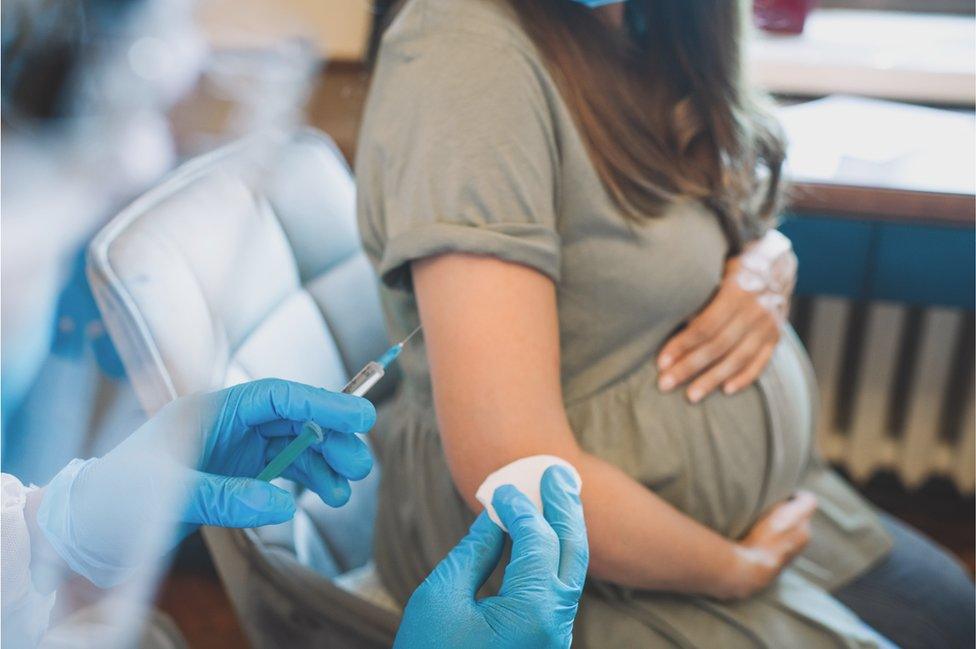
<point x="563" y="196"/>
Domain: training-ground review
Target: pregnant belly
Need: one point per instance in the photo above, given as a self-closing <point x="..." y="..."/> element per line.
<point x="722" y="461"/>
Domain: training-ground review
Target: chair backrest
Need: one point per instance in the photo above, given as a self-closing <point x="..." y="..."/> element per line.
<point x="246" y="263"/>
<point x="243" y="263"/>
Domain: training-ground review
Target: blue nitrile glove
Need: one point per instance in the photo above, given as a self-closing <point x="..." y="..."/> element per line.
<point x="193" y="463"/>
<point x="541" y="589"/>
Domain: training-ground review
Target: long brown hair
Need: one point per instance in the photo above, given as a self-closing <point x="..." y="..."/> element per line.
<point x="663" y="108"/>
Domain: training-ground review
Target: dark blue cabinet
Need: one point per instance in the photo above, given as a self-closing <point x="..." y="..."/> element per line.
<point x="918" y="264"/>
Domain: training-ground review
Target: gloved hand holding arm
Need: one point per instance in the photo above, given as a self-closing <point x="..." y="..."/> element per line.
<point x="193" y="463"/>
<point x="542" y="586"/>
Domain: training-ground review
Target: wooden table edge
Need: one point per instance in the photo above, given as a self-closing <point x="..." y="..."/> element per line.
<point x="883" y="203"/>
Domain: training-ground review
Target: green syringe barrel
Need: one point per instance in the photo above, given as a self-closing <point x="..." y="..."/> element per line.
<point x="311" y="433"/>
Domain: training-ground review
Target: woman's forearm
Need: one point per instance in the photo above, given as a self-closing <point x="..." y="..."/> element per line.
<point x="639" y="540"/>
<point x="636" y="538"/>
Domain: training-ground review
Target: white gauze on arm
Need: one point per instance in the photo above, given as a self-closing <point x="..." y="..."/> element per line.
<point x="526" y="476"/>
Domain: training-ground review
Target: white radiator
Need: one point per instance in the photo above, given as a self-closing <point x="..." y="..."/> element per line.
<point x="896" y="388"/>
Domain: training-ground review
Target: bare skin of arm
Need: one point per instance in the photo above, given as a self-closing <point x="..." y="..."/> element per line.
<point x="492" y="338"/>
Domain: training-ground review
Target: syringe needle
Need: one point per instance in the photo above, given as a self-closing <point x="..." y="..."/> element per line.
<point x="412" y="334"/>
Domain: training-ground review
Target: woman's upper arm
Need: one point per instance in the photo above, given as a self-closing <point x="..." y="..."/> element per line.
<point x="457" y="202"/>
<point x="492" y="337"/>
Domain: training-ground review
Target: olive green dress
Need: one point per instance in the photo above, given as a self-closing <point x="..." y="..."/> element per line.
<point x="468" y="147"/>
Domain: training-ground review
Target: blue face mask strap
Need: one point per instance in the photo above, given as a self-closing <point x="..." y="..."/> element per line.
<point x="593" y="4"/>
<point x="635" y="18"/>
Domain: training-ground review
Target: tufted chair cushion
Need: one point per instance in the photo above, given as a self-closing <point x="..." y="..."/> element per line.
<point x="246" y="263"/>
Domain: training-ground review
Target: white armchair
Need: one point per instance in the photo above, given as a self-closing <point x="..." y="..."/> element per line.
<point x="246" y="263"/>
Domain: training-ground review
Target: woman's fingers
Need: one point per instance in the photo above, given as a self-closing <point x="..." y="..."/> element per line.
<point x="799" y="541"/>
<point x="710" y="351"/>
<point x="752" y="371"/>
<point x="702" y="328"/>
<point x="772" y="543"/>
<point x="705" y="355"/>
<point x="782" y="521"/>
<point x="736" y="359"/>
<point x="733" y="358"/>
<point x="744" y="362"/>
<point x="793" y="513"/>
<point x="793" y="541"/>
<point x="785" y="531"/>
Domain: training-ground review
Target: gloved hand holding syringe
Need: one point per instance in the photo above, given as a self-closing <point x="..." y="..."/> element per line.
<point x="312" y="433"/>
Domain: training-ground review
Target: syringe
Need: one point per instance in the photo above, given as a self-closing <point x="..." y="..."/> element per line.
<point x="312" y="433"/>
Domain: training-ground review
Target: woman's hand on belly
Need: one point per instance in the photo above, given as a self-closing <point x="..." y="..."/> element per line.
<point x="771" y="545"/>
<point x="730" y="342"/>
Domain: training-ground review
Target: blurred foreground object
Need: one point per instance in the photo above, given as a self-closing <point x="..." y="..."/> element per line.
<point x="288" y="293"/>
<point x="245" y="90"/>
<point x="87" y="90"/>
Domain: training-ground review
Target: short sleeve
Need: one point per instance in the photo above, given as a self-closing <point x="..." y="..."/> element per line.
<point x="457" y="154"/>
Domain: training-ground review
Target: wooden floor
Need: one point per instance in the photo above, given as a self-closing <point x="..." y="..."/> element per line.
<point x="194" y="597"/>
<point x="192" y="594"/>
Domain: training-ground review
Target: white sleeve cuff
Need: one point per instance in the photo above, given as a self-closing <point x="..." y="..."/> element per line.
<point x="26" y="612"/>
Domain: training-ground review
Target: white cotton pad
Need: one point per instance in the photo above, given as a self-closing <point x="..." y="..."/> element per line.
<point x="526" y="476"/>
